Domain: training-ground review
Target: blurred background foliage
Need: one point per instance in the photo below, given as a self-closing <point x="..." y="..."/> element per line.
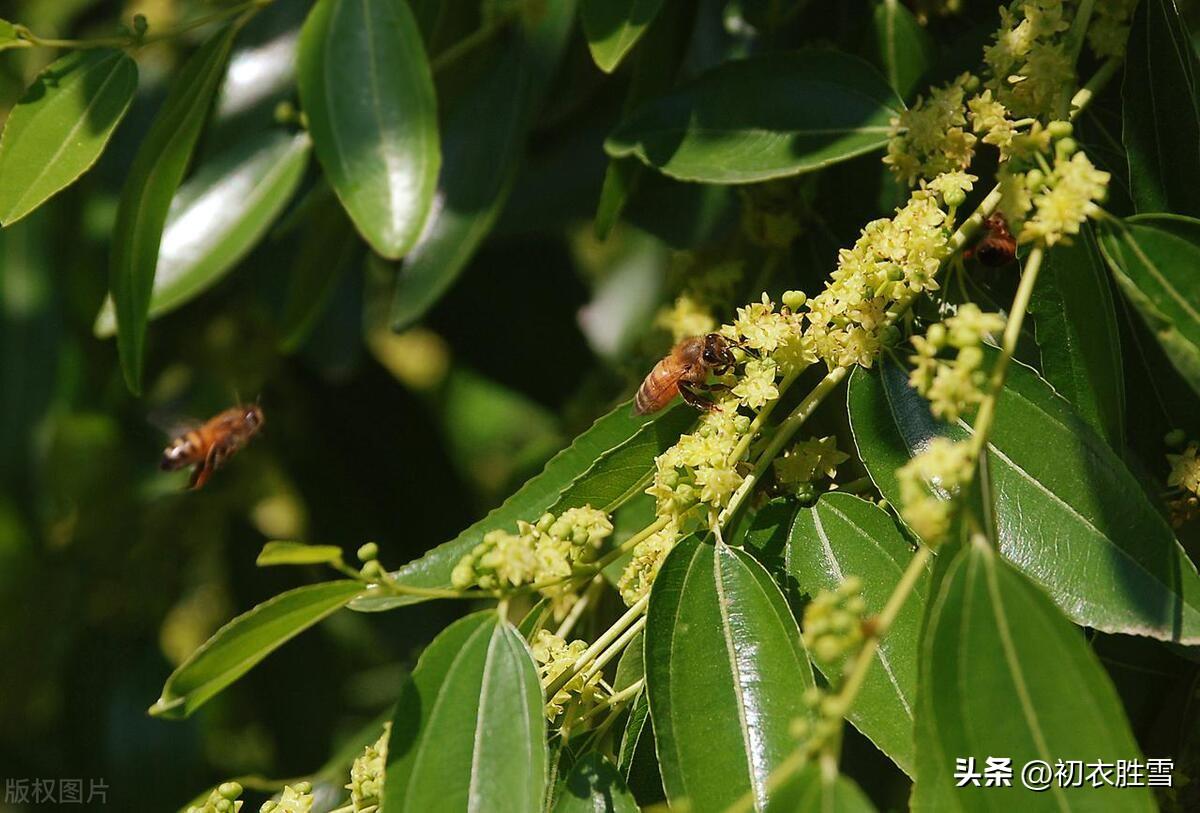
<point x="110" y="573"/>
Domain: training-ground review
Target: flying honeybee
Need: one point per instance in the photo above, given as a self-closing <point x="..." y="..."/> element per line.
<point x="998" y="246"/>
<point x="685" y="371"/>
<point x="211" y="444"/>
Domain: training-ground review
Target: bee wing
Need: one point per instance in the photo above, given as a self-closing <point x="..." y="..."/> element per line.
<point x="171" y="423"/>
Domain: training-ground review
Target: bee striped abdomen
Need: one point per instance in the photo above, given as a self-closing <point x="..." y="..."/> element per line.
<point x="657" y="389"/>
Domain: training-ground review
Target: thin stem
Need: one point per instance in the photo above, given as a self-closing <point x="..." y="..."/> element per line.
<point x="135" y="40"/>
<point x="616" y="699"/>
<point x="615" y="649"/>
<point x="600" y="644"/>
<point x="568" y="624"/>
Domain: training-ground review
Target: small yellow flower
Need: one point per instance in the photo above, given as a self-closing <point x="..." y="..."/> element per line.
<point x="685" y="317"/>
<point x="808" y="460"/>
<point x="1185" y="469"/>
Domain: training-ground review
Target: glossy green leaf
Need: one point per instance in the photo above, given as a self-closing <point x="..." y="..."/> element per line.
<point x="469" y="729"/>
<point x="1004" y="674"/>
<point x="900" y="47"/>
<point x="218" y="216"/>
<point x="367" y="90"/>
<point x="815" y="548"/>
<point x="61" y="125"/>
<point x="655" y="67"/>
<point x="535" y="619"/>
<point x="726" y="673"/>
<point x="613" y="27"/>
<point x="605" y="466"/>
<point x="809" y="792"/>
<point x="297" y="553"/>
<point x="631" y="667"/>
<point x="594" y="786"/>
<point x="1069" y="513"/>
<point x="769" y="116"/>
<point x="483" y="135"/>
<point x="1077" y="335"/>
<point x="329" y="248"/>
<point x="1154" y="259"/>
<point x="1161" y="111"/>
<point x="243" y="642"/>
<point x="150" y="185"/>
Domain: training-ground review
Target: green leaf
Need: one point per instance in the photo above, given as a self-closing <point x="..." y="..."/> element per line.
<point x="606" y="465"/>
<point x="297" y="553"/>
<point x="9" y="38"/>
<point x="1004" y="674"/>
<point x="153" y="179"/>
<point x="239" y="645"/>
<point x="1068" y="511"/>
<point x="367" y="90"/>
<point x="631" y="667"/>
<point x="218" y="216"/>
<point x="726" y="674"/>
<point x="1077" y="334"/>
<point x="808" y="792"/>
<point x="769" y="116"/>
<point x="819" y="547"/>
<point x="900" y="47"/>
<point x="654" y="70"/>
<point x="483" y="136"/>
<point x="1161" y="129"/>
<point x="595" y="786"/>
<point x="613" y="27"/>
<point x="469" y="729"/>
<point x="1154" y="259"/>
<point x="61" y="125"/>
<point x="328" y="248"/>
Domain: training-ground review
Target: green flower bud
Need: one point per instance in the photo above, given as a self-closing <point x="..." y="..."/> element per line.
<point x="230" y="790"/>
<point x="368" y="552"/>
<point x="1065" y="148"/>
<point x="140" y="24"/>
<point x="936" y="334"/>
<point x="1175" y="437"/>
<point x="955" y="197"/>
<point x="1060" y="129"/>
<point x="373" y="570"/>
<point x="1035" y="179"/>
<point x="795" y="299"/>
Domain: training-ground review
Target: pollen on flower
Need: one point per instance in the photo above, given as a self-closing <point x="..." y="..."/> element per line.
<point x="367" y="771"/>
<point x="928" y="484"/>
<point x="931" y="136"/>
<point x="542" y="551"/>
<point x="554" y="657"/>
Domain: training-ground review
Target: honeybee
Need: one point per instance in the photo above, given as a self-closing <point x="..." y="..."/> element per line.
<point x="685" y="371"/>
<point x="998" y="246"/>
<point x="211" y="444"/>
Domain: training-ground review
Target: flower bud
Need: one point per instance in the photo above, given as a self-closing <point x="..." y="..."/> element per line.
<point x="368" y="552"/>
<point x="795" y="299"/>
<point x="1060" y="129"/>
<point x="1175" y="437"/>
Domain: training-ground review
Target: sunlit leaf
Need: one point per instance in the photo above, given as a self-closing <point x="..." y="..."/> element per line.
<point x="239" y="645"/>
<point x="367" y="90"/>
<point x="1004" y="674"/>
<point x="149" y="188"/>
<point x="901" y="47"/>
<point x="469" y="729"/>
<point x="297" y="553"/>
<point x="726" y="674"/>
<point x="217" y="216"/>
<point x="613" y="27"/>
<point x="1068" y="512"/>
<point x="768" y="116"/>
<point x="61" y="125"/>
<point x="1154" y="259"/>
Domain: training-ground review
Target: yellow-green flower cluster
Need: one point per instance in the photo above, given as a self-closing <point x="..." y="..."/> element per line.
<point x="808" y="460"/>
<point x="367" y="773"/>
<point x="1108" y="30"/>
<point x="777" y="335"/>
<point x="554" y="657"/>
<point x="296" y="798"/>
<point x="686" y="316"/>
<point x="648" y="556"/>
<point x="893" y="260"/>
<point x="931" y="137"/>
<point x="1029" y="69"/>
<point x="928" y="484"/>
<point x="833" y="622"/>
<point x="823" y="723"/>
<point x="953" y="387"/>
<point x="1070" y="195"/>
<point x="1185" y="469"/>
<point x="698" y="468"/>
<point x="539" y="551"/>
<point x="223" y="799"/>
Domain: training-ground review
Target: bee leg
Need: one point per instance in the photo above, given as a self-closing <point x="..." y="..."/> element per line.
<point x="200" y="475"/>
<point x="693" y="398"/>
